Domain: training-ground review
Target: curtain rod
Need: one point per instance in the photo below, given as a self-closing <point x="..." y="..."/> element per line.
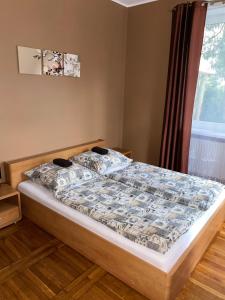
<point x="215" y="1"/>
<point x="210" y="2"/>
<point x="207" y="1"/>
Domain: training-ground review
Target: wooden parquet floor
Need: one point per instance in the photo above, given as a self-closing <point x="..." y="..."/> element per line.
<point x="34" y="265"/>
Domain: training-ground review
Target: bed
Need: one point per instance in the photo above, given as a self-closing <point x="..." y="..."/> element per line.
<point x="172" y="186"/>
<point x="154" y="275"/>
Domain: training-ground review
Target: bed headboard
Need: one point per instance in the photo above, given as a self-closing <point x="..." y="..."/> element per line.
<point x="15" y="169"/>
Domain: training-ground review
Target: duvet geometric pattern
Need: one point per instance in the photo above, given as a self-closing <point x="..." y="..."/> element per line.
<point x="175" y="187"/>
<point x="144" y="218"/>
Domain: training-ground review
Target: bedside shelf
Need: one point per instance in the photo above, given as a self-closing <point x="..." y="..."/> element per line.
<point x="126" y="152"/>
<point x="10" y="207"/>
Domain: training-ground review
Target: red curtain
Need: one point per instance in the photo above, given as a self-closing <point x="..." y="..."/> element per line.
<point x="188" y="25"/>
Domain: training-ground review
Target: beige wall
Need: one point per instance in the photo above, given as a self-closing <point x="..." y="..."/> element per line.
<point x="148" y="43"/>
<point x="40" y="113"/>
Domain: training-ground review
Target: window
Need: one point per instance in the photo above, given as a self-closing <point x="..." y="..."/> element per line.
<point x="207" y="150"/>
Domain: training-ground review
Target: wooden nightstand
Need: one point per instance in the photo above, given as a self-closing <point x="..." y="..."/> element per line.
<point x="126" y="152"/>
<point x="10" y="206"/>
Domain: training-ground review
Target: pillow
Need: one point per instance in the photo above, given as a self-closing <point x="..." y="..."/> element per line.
<point x="103" y="164"/>
<point x="56" y="178"/>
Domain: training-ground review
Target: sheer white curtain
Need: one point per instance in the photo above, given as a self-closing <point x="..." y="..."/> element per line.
<point x="207" y="148"/>
<point x="207" y="157"/>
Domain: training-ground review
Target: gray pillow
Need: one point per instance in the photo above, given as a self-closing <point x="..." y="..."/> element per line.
<point x="56" y="178"/>
<point x="103" y="164"/>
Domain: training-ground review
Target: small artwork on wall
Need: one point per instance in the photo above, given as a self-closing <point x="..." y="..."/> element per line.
<point x="48" y="62"/>
<point x="30" y="60"/>
<point x="71" y="65"/>
<point x="52" y="63"/>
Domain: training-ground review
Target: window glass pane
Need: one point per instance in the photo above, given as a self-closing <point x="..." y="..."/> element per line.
<point x="210" y="95"/>
<point x="207" y="150"/>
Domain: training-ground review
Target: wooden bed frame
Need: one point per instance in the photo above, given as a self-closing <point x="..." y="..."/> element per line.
<point x="137" y="273"/>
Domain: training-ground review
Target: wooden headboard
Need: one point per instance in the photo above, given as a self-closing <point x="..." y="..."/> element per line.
<point x="15" y="169"/>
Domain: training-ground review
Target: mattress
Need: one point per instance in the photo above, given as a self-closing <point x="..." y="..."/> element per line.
<point x="163" y="262"/>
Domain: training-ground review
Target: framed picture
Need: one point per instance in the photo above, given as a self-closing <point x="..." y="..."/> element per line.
<point x="52" y="63"/>
<point x="71" y="65"/>
<point x="30" y="60"/>
<point x="48" y="62"/>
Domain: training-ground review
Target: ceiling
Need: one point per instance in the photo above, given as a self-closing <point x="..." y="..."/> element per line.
<point x="130" y="3"/>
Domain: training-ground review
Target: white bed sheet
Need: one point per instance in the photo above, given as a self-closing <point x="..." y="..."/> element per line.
<point x="163" y="262"/>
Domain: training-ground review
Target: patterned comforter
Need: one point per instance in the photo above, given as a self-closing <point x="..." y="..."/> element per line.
<point x="175" y="187"/>
<point x="149" y="219"/>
